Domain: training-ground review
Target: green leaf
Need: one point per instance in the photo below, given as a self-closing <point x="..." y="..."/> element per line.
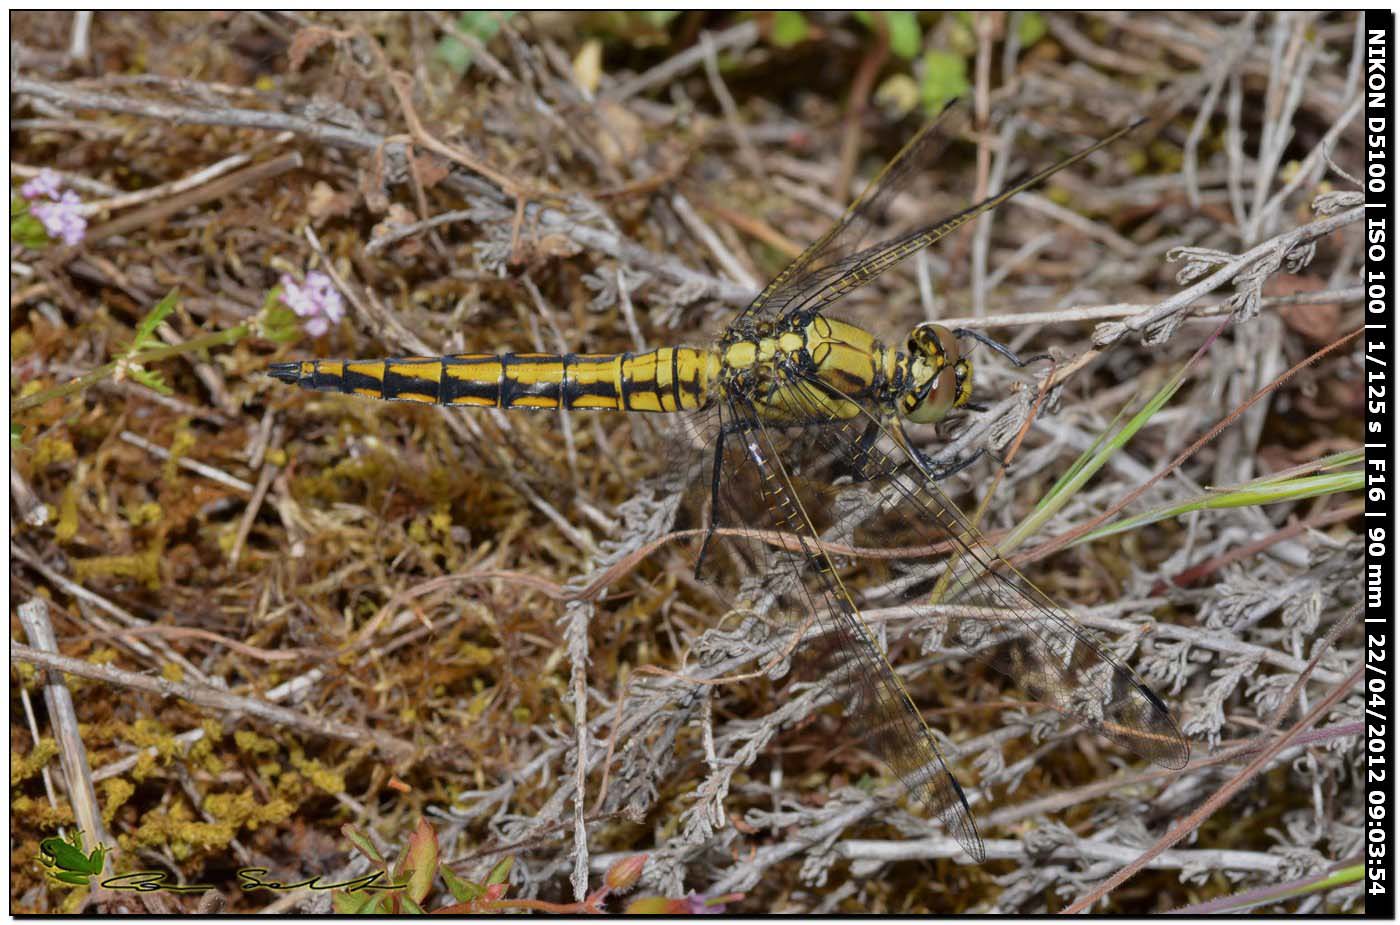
<point x="422" y="858"/>
<point x="944" y="79"/>
<point x="25" y="229"/>
<point x="658" y="19"/>
<point x="484" y="24"/>
<point x="905" y="36"/>
<point x="961" y="35"/>
<point x="347" y="903"/>
<point x="1030" y="28"/>
<point x="464" y="891"/>
<point x="276" y="321"/>
<point x="898" y="95"/>
<point x="150" y="379"/>
<point x="362" y="843"/>
<point x="147" y="328"/>
<point x="789" y="28"/>
<point x="501" y="871"/>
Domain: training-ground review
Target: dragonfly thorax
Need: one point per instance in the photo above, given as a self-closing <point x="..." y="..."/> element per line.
<point x="936" y="376"/>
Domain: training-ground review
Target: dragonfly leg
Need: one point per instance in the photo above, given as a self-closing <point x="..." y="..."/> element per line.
<point x="1000" y="348"/>
<point x="714" y="500"/>
<point x="939" y="471"/>
<point x="860" y="457"/>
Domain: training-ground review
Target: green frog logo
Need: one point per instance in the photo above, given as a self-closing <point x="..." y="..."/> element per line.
<point x="65" y="862"/>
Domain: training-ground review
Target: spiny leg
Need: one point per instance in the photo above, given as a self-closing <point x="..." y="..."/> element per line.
<point x="999" y="347"/>
<point x="957" y="465"/>
<point x="936" y="471"/>
<point x="724" y="430"/>
<point x="861" y="456"/>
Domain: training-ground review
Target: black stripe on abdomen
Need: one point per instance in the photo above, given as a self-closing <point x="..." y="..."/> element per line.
<point x="353" y="381"/>
<point x="590" y="382"/>
<point x="531" y="380"/>
<point x="472" y="379"/>
<point x="412" y="379"/>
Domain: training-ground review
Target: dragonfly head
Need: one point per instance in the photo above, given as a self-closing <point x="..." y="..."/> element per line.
<point x="940" y="377"/>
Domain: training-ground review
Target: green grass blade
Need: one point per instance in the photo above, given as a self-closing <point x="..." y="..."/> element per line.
<point x="1091" y="462"/>
<point x="1242" y="496"/>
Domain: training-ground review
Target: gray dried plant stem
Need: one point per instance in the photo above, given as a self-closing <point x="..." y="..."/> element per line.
<point x="696" y="284"/>
<point x="1251" y="641"/>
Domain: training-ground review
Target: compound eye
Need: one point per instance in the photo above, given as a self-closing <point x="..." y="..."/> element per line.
<point x="934" y="404"/>
<point x="945" y="395"/>
<point x="934" y="341"/>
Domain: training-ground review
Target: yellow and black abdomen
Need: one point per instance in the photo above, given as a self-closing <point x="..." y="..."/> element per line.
<point x="669" y="379"/>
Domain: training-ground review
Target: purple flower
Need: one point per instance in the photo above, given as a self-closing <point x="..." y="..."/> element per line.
<point x="57" y="212"/>
<point x="700" y="904"/>
<point x="44" y="185"/>
<point x="315" y="299"/>
<point x="61" y="219"/>
<point x="690" y="904"/>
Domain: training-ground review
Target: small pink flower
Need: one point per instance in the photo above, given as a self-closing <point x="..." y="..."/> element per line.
<point x="44" y="185"/>
<point x="690" y="904"/>
<point x="315" y="299"/>
<point x="700" y="904"/>
<point x="61" y="219"/>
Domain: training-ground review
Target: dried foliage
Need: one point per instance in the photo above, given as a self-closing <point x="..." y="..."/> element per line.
<point x="282" y="613"/>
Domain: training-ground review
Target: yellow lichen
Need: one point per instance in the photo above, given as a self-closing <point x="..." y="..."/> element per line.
<point x="251" y="743"/>
<point x="148" y="733"/>
<point x="173" y="828"/>
<point x="146" y="765"/>
<point x="115" y="792"/>
<point x="141" y="566"/>
<point x="184" y="441"/>
<point x="141" y="514"/>
<point x="473" y="654"/>
<point x="40" y="813"/>
<point x="67" y="526"/>
<point x="51" y="450"/>
<point x="247" y="809"/>
<point x="202" y="753"/>
<point x="28" y="674"/>
<point x="316" y="773"/>
<point x="23" y="767"/>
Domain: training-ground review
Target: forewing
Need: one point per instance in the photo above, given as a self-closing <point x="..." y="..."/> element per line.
<point x="865" y="266"/>
<point x="829" y="256"/>
<point x="838" y="263"/>
<point x="784" y="513"/>
<point x="1009" y="622"/>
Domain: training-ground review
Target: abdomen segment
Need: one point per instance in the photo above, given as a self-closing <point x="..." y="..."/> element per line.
<point x="668" y="379"/>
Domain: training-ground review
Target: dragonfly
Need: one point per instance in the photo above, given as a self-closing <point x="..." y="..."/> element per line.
<point x="785" y="413"/>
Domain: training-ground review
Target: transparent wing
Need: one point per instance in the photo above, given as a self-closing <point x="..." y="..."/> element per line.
<point x="882" y="709"/>
<point x="1010" y="624"/>
<point x="835" y="264"/>
<point x="830" y="255"/>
